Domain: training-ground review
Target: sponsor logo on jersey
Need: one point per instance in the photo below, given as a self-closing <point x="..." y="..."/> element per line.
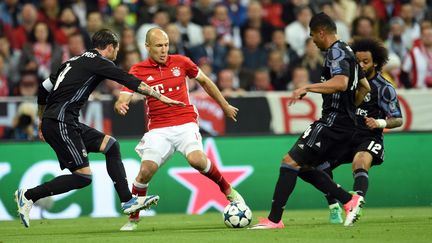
<point x="361" y="112"/>
<point x="367" y="98"/>
<point x="176" y="71"/>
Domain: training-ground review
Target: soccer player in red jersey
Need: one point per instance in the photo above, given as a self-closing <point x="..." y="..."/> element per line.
<point x="172" y="128"/>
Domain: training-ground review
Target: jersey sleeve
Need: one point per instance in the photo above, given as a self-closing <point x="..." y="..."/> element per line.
<point x="191" y="68"/>
<point x="338" y="62"/>
<point x="389" y="102"/>
<point x="47" y="86"/>
<point x="109" y="70"/>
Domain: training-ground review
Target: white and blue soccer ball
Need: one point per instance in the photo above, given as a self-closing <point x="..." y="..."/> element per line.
<point x="237" y="215"/>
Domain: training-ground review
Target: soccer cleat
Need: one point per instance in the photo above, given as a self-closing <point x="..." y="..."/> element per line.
<point x="265" y="223"/>
<point x="352" y="209"/>
<point x="131" y="225"/>
<point x="335" y="214"/>
<point x="139" y="203"/>
<point x="234" y="196"/>
<point x="360" y="213"/>
<point x="24" y="205"/>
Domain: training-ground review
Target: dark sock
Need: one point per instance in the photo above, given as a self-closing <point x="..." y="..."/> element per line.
<point x="58" y="185"/>
<point x="215" y="175"/>
<point x="284" y="187"/>
<point x="309" y="177"/>
<point x="330" y="199"/>
<point x="325" y="184"/>
<point x="116" y="170"/>
<point x="361" y="181"/>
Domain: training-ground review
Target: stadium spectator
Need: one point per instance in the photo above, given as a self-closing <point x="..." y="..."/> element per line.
<point x="243" y="77"/>
<point x="396" y="41"/>
<point x="20" y="34"/>
<point x="417" y="65"/>
<point x="379" y="110"/>
<point x="211" y="50"/>
<point x="278" y="44"/>
<point x="300" y="78"/>
<point x="412" y="28"/>
<point x="421" y="10"/>
<point x="81" y="8"/>
<point x="176" y="44"/>
<point x="147" y="9"/>
<point x="75" y="46"/>
<point x="386" y="9"/>
<point x="172" y="128"/>
<point x="236" y="12"/>
<point x="68" y="25"/>
<point x="49" y="10"/>
<point x="24" y="125"/>
<point x="297" y="32"/>
<point x="262" y="80"/>
<point x="255" y="56"/>
<point x="391" y="70"/>
<point x="279" y="73"/>
<point x="28" y="85"/>
<point x="225" y="83"/>
<point x="128" y="43"/>
<point x="60" y="99"/>
<point x="4" y="82"/>
<point x="328" y="8"/>
<point x="255" y="21"/>
<point x="11" y="58"/>
<point x="41" y="54"/>
<point x="362" y="27"/>
<point x="118" y="21"/>
<point x="202" y="11"/>
<point x="9" y="12"/>
<point x="323" y="139"/>
<point x="272" y="13"/>
<point x="94" y="23"/>
<point x="191" y="34"/>
<point x="312" y="61"/>
<point x="223" y="25"/>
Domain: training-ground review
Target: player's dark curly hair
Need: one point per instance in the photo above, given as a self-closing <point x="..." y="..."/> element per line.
<point x="375" y="47"/>
<point x="103" y="38"/>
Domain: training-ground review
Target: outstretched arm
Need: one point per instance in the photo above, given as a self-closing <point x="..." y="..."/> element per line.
<point x="336" y="84"/>
<point x="211" y="89"/>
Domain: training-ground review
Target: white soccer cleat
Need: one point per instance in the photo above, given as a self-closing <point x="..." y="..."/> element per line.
<point x="139" y="203"/>
<point x="130" y="226"/>
<point x="353" y="209"/>
<point x="24" y="206"/>
<point x="234" y="196"/>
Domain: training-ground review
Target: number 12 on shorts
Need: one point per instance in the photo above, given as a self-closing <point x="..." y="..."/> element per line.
<point x="374" y="147"/>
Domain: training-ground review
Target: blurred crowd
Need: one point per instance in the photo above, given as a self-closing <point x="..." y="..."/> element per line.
<point x="243" y="45"/>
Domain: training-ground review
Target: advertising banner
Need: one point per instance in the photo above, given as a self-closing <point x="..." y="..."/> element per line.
<point x="250" y="164"/>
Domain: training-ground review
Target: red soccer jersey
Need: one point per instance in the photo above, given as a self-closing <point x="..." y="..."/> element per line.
<point x="168" y="79"/>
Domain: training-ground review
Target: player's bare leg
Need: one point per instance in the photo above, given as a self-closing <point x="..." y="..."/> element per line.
<point x="139" y="187"/>
<point x="198" y="160"/>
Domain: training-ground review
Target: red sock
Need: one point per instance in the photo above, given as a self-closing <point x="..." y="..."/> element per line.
<point x="140" y="192"/>
<point x="215" y="175"/>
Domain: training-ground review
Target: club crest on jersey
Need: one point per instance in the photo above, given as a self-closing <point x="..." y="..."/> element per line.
<point x="175" y="71"/>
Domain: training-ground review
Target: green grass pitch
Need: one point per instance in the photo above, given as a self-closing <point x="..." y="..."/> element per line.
<point x="376" y="225"/>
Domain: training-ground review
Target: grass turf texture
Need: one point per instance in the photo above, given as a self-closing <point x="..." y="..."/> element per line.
<point x="376" y="225"/>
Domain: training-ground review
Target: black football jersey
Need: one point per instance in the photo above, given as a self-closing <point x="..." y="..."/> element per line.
<point x="338" y="109"/>
<point x="75" y="80"/>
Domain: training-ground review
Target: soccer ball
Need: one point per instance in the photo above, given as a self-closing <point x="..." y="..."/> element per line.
<point x="237" y="215"/>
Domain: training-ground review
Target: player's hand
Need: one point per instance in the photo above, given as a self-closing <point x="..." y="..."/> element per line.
<point x="171" y="102"/>
<point x="297" y="94"/>
<point x="40" y="135"/>
<point x="371" y="123"/>
<point x="121" y="108"/>
<point x="231" y="112"/>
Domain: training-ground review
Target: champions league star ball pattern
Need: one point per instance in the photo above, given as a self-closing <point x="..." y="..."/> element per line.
<point x="237" y="215"/>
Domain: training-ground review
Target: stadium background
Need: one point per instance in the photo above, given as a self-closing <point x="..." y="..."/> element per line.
<point x="253" y="147"/>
